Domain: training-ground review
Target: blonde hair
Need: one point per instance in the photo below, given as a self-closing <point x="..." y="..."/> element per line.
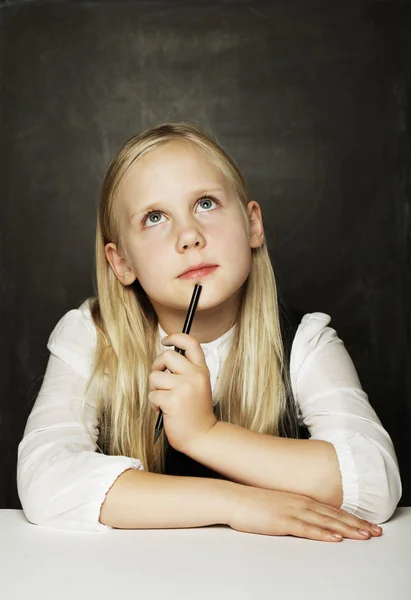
<point x="254" y="383"/>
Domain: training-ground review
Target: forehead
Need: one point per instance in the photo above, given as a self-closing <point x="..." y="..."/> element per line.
<point x="175" y="166"/>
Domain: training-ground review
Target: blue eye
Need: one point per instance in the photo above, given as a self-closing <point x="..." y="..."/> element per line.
<point x="148" y="215"/>
<point x="158" y="212"/>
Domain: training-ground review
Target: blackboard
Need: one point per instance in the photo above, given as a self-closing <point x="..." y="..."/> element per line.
<point x="311" y="99"/>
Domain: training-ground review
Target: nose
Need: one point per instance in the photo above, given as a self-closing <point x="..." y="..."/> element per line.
<point x="191" y="238"/>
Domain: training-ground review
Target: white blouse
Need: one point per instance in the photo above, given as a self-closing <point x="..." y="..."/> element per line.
<point x="62" y="481"/>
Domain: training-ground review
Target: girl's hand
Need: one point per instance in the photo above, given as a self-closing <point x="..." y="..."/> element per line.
<point x="185" y="394"/>
<point x="270" y="512"/>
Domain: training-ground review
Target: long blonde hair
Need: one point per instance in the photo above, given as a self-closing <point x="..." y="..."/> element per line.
<point x="254" y="383"/>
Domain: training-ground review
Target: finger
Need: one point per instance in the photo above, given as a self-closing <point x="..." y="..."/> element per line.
<point x="334" y="525"/>
<point x="161" y="380"/>
<point x="300" y="528"/>
<point x="347" y="518"/>
<point x="173" y="361"/>
<point x="190" y="345"/>
<point x="158" y="400"/>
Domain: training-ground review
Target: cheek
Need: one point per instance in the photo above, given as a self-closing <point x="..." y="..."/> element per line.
<point x="146" y="254"/>
<point x="239" y="254"/>
<point x="232" y="239"/>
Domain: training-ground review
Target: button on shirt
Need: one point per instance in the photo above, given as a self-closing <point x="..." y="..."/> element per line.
<point x="62" y="481"/>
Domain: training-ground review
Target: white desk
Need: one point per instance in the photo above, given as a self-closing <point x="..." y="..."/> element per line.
<point x="208" y="563"/>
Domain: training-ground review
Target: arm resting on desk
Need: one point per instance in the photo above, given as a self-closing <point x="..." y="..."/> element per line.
<point x="307" y="467"/>
<point x="143" y="500"/>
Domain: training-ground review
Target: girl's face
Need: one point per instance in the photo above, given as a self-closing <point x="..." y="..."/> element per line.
<point x="195" y="218"/>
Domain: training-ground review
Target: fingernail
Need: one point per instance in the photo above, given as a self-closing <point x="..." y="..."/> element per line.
<point x="364" y="532"/>
<point x="376" y="528"/>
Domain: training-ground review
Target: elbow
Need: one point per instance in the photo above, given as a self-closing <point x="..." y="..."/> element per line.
<point x="381" y="514"/>
<point x="32" y="486"/>
<point x="388" y="504"/>
<point x="30" y="502"/>
<point x="371" y="478"/>
<point x="31" y="491"/>
<point x="380" y="504"/>
<point x="47" y="505"/>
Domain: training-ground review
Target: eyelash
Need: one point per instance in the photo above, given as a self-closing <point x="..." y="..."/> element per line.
<point x="204" y="197"/>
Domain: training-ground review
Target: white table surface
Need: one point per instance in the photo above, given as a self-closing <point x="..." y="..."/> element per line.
<point x="213" y="563"/>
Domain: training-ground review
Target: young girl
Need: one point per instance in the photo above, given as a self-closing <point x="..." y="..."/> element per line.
<point x="235" y="405"/>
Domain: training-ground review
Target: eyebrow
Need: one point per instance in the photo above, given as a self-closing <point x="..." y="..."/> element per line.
<point x="156" y="205"/>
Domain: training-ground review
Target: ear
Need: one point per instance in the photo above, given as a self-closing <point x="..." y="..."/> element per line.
<point x="256" y="224"/>
<point x="119" y="265"/>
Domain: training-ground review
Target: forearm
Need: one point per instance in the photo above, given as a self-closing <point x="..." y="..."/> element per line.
<point x="143" y="500"/>
<point x="307" y="467"/>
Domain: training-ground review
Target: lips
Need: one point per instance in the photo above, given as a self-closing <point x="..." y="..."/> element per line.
<point x="199" y="274"/>
<point x="197" y="268"/>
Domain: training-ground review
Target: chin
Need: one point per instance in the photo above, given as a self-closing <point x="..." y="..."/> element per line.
<point x="215" y="297"/>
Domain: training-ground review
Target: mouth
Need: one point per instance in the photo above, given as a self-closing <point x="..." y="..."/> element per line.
<point x="198" y="272"/>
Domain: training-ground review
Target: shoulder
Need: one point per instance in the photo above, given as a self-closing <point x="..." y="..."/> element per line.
<point x="74" y="338"/>
<point x="312" y="334"/>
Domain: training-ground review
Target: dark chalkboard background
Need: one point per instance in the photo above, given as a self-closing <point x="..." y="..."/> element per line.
<point x="312" y="100"/>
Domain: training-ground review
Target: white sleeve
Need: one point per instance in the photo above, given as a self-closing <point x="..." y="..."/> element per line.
<point x="61" y="480"/>
<point x="334" y="407"/>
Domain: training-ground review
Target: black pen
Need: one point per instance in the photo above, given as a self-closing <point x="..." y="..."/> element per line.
<point x="186" y="329"/>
